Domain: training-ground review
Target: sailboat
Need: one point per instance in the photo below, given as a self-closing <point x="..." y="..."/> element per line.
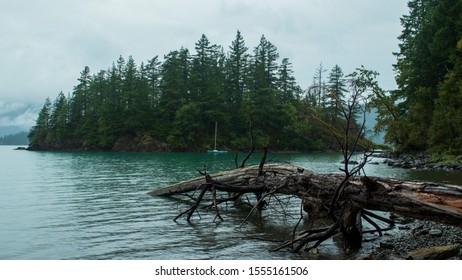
<point x="215" y="151"/>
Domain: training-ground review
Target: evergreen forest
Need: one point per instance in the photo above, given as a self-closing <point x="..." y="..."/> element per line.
<point x="425" y="112"/>
<point x="173" y="104"/>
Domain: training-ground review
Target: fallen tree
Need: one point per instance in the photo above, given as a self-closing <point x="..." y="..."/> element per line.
<point x="423" y="200"/>
<point x="346" y="199"/>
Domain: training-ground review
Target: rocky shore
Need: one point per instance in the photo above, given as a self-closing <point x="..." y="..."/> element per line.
<point x="420" y="161"/>
<point x="416" y="239"/>
<point x="419" y="240"/>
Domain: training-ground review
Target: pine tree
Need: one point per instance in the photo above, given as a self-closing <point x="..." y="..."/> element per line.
<point x="262" y="102"/>
<point x="265" y="65"/>
<point x="99" y="89"/>
<point x="174" y="89"/>
<point x="40" y="131"/>
<point x="151" y="75"/>
<point x="286" y="84"/>
<point x="235" y="90"/>
<point x="236" y="72"/>
<point x="131" y="111"/>
<point x="110" y="122"/>
<point x="79" y="102"/>
<point x="201" y="68"/>
<point x="59" y="120"/>
<point x="418" y="73"/>
<point x="336" y="85"/>
<point x="446" y="126"/>
<point x="207" y="87"/>
<point x="445" y="131"/>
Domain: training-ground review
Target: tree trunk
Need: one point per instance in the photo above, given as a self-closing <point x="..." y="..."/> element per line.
<point x="422" y="200"/>
<point x="351" y="226"/>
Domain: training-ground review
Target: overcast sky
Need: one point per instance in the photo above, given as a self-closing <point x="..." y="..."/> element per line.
<point x="45" y="44"/>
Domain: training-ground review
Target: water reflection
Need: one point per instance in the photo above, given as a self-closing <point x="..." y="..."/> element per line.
<point x="94" y="206"/>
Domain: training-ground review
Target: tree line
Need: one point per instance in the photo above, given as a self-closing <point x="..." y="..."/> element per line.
<point x="425" y="112"/>
<point x="178" y="100"/>
<point x="19" y="138"/>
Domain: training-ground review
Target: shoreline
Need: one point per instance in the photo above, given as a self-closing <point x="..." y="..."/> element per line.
<point x="414" y="236"/>
<point x="421" y="161"/>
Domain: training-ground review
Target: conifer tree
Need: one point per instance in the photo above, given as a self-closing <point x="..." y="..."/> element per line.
<point x="286" y="84"/>
<point x="336" y="84"/>
<point x="80" y="101"/>
<point x="265" y="64"/>
<point x="174" y="89"/>
<point x="236" y="71"/>
<point x="59" y="119"/>
<point x="40" y="131"/>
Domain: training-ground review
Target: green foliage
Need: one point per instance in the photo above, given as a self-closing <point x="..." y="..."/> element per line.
<point x="424" y="113"/>
<point x="39" y="134"/>
<point x="185" y="127"/>
<point x="447" y="118"/>
<point x="177" y="102"/>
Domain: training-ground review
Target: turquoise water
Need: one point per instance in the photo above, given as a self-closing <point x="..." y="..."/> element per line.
<point x="60" y="205"/>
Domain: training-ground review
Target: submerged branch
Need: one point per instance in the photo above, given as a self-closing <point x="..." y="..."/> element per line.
<point x="422" y="200"/>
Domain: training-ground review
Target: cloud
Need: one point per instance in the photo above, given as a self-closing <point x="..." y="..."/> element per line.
<point x="45" y="44"/>
<point x="17" y="115"/>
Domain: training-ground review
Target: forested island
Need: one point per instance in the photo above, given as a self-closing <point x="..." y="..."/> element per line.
<point x="174" y="103"/>
<point x="423" y="114"/>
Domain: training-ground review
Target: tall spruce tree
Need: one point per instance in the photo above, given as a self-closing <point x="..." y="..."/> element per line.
<point x="80" y="102"/>
<point x="110" y="123"/>
<point x="236" y="71"/>
<point x="286" y="82"/>
<point x="38" y="135"/>
<point x="174" y="89"/>
<point x="336" y="85"/>
<point x="265" y="64"/>
<point x="59" y="119"/>
<point x="418" y="73"/>
<point x="236" y="87"/>
<point x="445" y="131"/>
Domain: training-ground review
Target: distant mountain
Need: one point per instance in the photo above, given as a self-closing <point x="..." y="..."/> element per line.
<point x="370" y="123"/>
<point x="8" y="130"/>
<point x="15" y="139"/>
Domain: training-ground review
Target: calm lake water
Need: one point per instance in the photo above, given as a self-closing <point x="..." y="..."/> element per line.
<point x="60" y="205"/>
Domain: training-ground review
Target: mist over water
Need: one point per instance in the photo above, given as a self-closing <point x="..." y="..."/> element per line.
<point x="60" y="205"/>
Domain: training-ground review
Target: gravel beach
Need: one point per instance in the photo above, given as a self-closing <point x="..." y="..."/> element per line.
<point x="414" y="235"/>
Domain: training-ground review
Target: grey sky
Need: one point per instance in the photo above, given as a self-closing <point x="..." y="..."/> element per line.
<point x="46" y="43"/>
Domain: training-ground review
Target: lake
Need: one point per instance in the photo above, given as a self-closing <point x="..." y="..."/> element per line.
<point x="64" y="205"/>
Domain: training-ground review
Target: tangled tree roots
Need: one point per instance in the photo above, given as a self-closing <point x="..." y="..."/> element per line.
<point x="359" y="195"/>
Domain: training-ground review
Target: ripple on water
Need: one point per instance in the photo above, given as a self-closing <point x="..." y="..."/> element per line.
<point x="94" y="206"/>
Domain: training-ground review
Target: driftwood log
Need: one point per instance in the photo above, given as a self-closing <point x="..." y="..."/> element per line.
<point x="422" y="200"/>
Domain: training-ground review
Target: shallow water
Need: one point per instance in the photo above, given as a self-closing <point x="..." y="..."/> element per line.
<point x="62" y="205"/>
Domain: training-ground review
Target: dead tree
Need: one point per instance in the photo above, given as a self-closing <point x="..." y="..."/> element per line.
<point x="423" y="200"/>
<point x="347" y="198"/>
<point x="348" y="136"/>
